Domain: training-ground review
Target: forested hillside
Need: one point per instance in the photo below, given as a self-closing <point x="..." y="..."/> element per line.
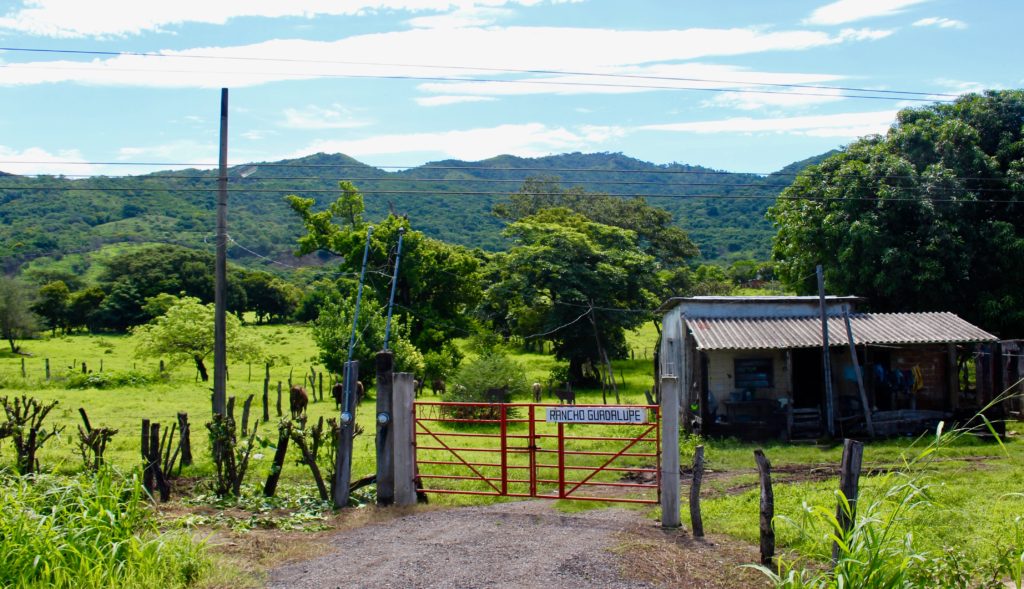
<point x="449" y="200"/>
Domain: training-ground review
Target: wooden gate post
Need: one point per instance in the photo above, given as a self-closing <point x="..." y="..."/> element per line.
<point x="671" y="392"/>
<point x="343" y="457"/>
<point x="696" y="521"/>
<point x="385" y="443"/>
<point x="402" y="432"/>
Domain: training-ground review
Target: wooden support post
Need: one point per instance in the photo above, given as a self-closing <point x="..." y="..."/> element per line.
<point x="23" y="373"/>
<point x="767" y="504"/>
<point x="826" y="356"/>
<point x="856" y="369"/>
<point x="47" y="370"/>
<point x="184" y="439"/>
<point x="321" y="377"/>
<point x="84" y="369"/>
<point x="402" y="436"/>
<point x="343" y="456"/>
<point x="952" y="378"/>
<point x="385" y="442"/>
<point x="849" y="482"/>
<point x="161" y="367"/>
<point x="270" y="488"/>
<point x="696" y="522"/>
<point x="670" y="395"/>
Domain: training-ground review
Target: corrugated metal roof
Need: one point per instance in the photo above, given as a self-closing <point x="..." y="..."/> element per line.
<point x="805" y="332"/>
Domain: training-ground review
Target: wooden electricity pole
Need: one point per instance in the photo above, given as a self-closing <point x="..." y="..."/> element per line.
<point x="826" y="360"/>
<point x="220" y="269"/>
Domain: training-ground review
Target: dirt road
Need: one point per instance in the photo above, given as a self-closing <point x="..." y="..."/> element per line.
<point x="524" y="545"/>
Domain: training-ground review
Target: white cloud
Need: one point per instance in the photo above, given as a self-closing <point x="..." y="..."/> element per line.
<point x="111" y="18"/>
<point x="38" y="161"/>
<point x="316" y="118"/>
<point x="844" y="11"/>
<point x="470" y="16"/>
<point x="863" y="34"/>
<point x="941" y="22"/>
<point x="526" y="140"/>
<point x="446" y="100"/>
<point x="529" y="48"/>
<point x="844" y="125"/>
<point x="781" y="99"/>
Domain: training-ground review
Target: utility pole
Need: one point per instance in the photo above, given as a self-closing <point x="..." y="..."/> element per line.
<point x="220" y="269"/>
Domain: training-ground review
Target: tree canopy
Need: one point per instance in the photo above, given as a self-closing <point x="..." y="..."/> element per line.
<point x="437" y="282"/>
<point x="574" y="282"/>
<point x="185" y="333"/>
<point x="16" y="318"/>
<point x="928" y="217"/>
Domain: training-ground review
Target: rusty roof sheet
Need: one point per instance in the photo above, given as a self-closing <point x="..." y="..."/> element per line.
<point x="805" y="332"/>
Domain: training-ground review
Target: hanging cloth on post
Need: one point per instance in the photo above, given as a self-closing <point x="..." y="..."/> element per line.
<point x="918" y="379"/>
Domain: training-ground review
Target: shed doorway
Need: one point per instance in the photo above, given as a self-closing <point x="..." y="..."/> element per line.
<point x="808" y="378"/>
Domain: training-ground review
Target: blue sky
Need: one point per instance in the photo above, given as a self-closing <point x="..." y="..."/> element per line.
<point x="404" y="82"/>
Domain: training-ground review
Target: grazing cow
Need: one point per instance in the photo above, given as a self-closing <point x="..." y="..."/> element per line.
<point x="566" y="395"/>
<point x="338" y="392"/>
<point x="417" y="386"/>
<point x="536" y="392"/>
<point x="437" y="386"/>
<point x="297" y="400"/>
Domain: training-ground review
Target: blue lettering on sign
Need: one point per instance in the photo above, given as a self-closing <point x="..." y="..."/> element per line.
<point x="596" y="415"/>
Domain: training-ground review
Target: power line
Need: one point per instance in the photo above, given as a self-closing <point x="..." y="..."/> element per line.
<point x="746" y="86"/>
<point x="242" y="191"/>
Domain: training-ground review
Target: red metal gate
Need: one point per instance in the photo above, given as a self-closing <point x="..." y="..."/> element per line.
<point x="528" y="450"/>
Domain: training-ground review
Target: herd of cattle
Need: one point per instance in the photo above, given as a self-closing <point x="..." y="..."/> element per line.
<point x="298" y="399"/>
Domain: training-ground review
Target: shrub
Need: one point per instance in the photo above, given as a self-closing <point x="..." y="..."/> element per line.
<point x="108" y="380"/>
<point x="475" y="378"/>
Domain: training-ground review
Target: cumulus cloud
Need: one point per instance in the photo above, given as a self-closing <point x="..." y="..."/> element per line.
<point x="446" y="100"/>
<point x="512" y="48"/>
<point x="844" y="11"/>
<point x="316" y="118"/>
<point x="844" y="125"/>
<point x="114" y="18"/>
<point x="941" y="22"/>
<point x="525" y="140"/>
<point x="38" y="161"/>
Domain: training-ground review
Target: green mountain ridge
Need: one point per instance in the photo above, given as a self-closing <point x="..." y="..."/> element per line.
<point x="450" y="200"/>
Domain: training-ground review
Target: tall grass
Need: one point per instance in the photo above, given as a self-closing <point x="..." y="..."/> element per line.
<point x="883" y="549"/>
<point x="88" y="531"/>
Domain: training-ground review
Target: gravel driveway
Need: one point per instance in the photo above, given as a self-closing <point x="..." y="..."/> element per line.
<point x="524" y="545"/>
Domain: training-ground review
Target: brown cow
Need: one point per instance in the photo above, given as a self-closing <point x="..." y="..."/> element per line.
<point x="566" y="395"/>
<point x="297" y="400"/>
<point x="437" y="386"/>
<point x="338" y="392"/>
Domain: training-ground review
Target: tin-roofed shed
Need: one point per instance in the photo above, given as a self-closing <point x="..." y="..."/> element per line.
<point x="754" y="366"/>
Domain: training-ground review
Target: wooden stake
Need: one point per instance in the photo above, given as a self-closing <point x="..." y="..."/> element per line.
<point x="184" y="440"/>
<point x="696" y="522"/>
<point x="849" y="481"/>
<point x="764" y="470"/>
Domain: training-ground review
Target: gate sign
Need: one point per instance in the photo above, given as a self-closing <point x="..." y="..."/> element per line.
<point x="569" y="414"/>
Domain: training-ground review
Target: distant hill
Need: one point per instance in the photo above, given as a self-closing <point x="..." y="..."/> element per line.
<point x="450" y="200"/>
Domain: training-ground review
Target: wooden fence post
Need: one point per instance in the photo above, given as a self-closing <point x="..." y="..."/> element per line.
<point x="147" y="472"/>
<point x="279" y="398"/>
<point x="764" y="469"/>
<point x="696" y="522"/>
<point x="402" y="436"/>
<point x="849" y="481"/>
<point x="284" y="433"/>
<point x="343" y="456"/>
<point x="184" y="439"/>
<point x="266" y="401"/>
<point x="47" y="370"/>
<point x="385" y="442"/>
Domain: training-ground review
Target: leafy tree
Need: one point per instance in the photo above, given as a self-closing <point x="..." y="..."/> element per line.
<point x="269" y="297"/>
<point x="333" y="329"/>
<point x="575" y="282"/>
<point x="52" y="305"/>
<point x="653" y="226"/>
<point x="82" y="307"/>
<point x="928" y="217"/>
<point x="16" y="318"/>
<point x="437" y="282"/>
<point x="185" y="333"/>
